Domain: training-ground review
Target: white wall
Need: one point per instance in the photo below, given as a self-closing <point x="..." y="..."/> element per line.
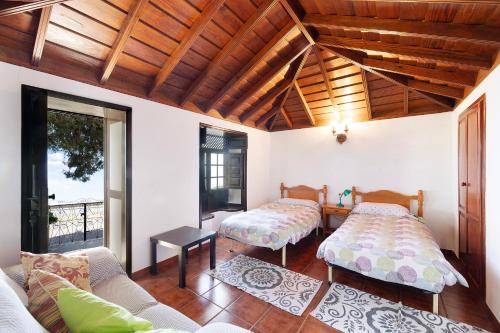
<point x="165" y="161"/>
<point x="490" y="87"/>
<point x="404" y="155"/>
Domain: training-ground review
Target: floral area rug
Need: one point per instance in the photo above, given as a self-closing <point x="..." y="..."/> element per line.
<point x="351" y="310"/>
<point x="287" y="290"/>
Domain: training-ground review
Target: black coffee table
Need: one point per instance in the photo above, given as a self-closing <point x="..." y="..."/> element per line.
<point x="181" y="239"/>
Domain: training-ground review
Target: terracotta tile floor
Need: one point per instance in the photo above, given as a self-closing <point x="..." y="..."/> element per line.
<point x="206" y="299"/>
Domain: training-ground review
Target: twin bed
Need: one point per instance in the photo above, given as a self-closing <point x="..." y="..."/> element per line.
<point x="278" y="223"/>
<point x="380" y="239"/>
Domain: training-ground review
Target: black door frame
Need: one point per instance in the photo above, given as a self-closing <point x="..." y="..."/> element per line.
<point x="128" y="160"/>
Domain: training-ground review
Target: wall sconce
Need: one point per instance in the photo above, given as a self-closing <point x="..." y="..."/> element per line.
<point x="340" y="134"/>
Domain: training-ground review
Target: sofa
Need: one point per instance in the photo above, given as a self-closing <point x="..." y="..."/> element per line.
<point x="108" y="281"/>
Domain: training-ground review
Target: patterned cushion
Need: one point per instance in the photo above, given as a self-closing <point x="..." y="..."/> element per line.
<point x="73" y="268"/>
<point x="42" y="295"/>
<point x="103" y="265"/>
<point x="14" y="317"/>
<point x="126" y="293"/>
<point x="163" y="316"/>
<point x="383" y="209"/>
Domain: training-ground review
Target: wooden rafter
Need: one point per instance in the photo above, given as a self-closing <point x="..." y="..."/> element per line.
<point x="452" y="92"/>
<point x="280" y="108"/>
<point x="264" y="80"/>
<point x="285" y="116"/>
<point x="357" y="59"/>
<point x="461" y="78"/>
<point x="304" y="104"/>
<point x="409" y="51"/>
<point x="196" y="29"/>
<point x="268" y="98"/>
<point x="297" y="14"/>
<point x="252" y="64"/>
<point x="324" y="73"/>
<point x="268" y="115"/>
<point x="447" y="31"/>
<point x="41" y="33"/>
<point x="126" y="30"/>
<point x="258" y="16"/>
<point x="367" y="93"/>
<point x="17" y="7"/>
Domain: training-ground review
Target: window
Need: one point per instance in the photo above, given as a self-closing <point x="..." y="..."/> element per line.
<point x="216" y="171"/>
<point x="222" y="170"/>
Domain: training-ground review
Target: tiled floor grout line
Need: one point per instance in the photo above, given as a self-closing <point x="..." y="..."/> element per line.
<point x="262" y="316"/>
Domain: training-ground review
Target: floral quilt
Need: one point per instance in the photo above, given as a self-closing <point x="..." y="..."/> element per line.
<point x="272" y="225"/>
<point x="389" y="248"/>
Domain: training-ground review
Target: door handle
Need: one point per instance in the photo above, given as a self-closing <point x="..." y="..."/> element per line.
<point x="52" y="196"/>
<point x="463" y="184"/>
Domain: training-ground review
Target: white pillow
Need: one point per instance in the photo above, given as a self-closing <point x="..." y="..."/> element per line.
<point x="384" y="209"/>
<point x="298" y="202"/>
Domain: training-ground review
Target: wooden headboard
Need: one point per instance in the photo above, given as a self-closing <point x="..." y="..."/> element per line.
<point x="385" y="196"/>
<point x="304" y="192"/>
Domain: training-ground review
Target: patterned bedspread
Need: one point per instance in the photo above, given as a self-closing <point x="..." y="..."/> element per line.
<point x="272" y="225"/>
<point x="394" y="249"/>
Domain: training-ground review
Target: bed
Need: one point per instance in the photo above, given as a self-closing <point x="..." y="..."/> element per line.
<point x="275" y="224"/>
<point x="381" y="241"/>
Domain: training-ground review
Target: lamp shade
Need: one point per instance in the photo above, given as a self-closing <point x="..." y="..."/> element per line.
<point x="347" y="192"/>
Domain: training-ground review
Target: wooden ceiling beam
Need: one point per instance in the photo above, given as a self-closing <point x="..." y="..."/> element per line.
<point x="248" y="26"/>
<point x="296" y="72"/>
<point x="357" y="59"/>
<point x="304" y="104"/>
<point x="264" y="80"/>
<point x="268" y="98"/>
<point x="461" y="78"/>
<point x="447" y="31"/>
<point x="324" y="73"/>
<point x="196" y="30"/>
<point x="268" y="115"/>
<point x="252" y="64"/>
<point x="17" y="7"/>
<point x="41" y="34"/>
<point x="413" y="52"/>
<point x="297" y="13"/>
<point x="285" y="116"/>
<point x="457" y="93"/>
<point x="128" y="25"/>
<point x="367" y="93"/>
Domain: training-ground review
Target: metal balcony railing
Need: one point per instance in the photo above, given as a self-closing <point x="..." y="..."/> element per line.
<point x="75" y="222"/>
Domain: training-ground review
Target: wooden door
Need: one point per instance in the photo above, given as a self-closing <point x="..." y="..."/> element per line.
<point x="471" y="193"/>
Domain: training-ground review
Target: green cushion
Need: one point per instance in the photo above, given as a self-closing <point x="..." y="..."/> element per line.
<point x="84" y="312"/>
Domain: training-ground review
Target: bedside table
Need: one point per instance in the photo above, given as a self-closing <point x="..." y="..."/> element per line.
<point x="332" y="209"/>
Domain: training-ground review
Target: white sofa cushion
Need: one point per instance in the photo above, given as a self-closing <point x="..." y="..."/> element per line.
<point x="122" y="291"/>
<point x="103" y="264"/>
<point x="163" y="316"/>
<point x="21" y="294"/>
<point x="14" y="317"/>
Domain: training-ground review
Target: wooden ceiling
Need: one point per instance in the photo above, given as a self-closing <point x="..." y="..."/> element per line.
<point x="271" y="64"/>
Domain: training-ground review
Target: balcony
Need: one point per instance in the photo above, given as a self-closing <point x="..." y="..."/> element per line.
<point x="75" y="226"/>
